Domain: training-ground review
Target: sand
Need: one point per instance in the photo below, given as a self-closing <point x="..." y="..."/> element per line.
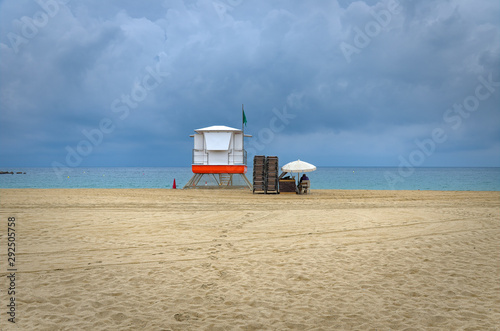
<point x="230" y="260"/>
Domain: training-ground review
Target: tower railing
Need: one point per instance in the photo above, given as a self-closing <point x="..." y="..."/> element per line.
<point x="200" y="156"/>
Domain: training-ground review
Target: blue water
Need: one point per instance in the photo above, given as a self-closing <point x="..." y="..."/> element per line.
<point x="370" y="178"/>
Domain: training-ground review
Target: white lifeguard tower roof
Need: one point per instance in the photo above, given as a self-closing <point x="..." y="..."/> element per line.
<point x="217" y="128"/>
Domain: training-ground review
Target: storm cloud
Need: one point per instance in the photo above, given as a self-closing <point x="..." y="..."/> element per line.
<point x="337" y="83"/>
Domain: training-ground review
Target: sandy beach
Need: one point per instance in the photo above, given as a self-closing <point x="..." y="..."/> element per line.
<point x="229" y="260"/>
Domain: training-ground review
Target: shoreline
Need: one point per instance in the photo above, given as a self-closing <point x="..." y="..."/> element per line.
<point x="242" y="190"/>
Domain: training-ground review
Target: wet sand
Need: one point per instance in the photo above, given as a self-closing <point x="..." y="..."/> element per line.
<point x="229" y="260"/>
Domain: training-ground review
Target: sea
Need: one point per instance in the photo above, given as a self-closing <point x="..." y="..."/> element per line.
<point x="342" y="178"/>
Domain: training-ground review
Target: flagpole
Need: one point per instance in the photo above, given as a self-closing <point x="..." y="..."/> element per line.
<point x="243" y="132"/>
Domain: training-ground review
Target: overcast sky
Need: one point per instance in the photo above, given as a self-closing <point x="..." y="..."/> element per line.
<point x="334" y="83"/>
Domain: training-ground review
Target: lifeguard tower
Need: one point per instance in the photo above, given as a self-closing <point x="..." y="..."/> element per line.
<point x="219" y="158"/>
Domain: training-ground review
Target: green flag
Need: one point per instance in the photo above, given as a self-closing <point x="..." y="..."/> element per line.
<point x="244" y="118"/>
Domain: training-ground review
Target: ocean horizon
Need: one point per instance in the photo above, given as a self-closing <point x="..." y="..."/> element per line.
<point x="345" y="178"/>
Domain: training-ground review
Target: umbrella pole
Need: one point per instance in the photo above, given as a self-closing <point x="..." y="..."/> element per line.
<point x="298" y="182"/>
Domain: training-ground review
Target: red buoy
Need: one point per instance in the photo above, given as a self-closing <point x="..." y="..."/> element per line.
<point x="174" y="186"/>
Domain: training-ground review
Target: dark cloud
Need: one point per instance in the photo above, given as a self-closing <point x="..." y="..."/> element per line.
<point x="65" y="66"/>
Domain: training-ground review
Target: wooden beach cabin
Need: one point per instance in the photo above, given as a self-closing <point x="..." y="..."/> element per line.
<point x="219" y="158"/>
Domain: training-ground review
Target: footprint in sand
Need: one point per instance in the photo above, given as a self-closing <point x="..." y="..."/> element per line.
<point x="208" y="285"/>
<point x="119" y="317"/>
<point x="181" y="317"/>
<point x="215" y="299"/>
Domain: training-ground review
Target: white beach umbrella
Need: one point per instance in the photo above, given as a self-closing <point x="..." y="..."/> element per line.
<point x="298" y="167"/>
